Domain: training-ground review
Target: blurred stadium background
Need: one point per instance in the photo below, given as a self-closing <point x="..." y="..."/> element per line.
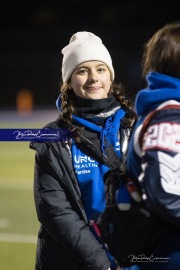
<point x="18" y="222"/>
<point x="32" y="34"/>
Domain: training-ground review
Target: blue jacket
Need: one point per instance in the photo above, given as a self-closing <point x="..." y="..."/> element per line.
<point x="154" y="149"/>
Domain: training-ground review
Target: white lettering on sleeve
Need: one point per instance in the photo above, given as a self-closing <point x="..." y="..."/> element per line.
<point x="163" y="136"/>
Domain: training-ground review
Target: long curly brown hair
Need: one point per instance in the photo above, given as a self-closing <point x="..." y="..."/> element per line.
<point x="117" y="90"/>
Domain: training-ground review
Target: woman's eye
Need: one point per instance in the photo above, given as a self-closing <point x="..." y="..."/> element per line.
<point x="82" y="71"/>
<point x="101" y="69"/>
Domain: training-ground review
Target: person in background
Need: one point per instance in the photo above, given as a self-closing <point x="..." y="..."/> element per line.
<point x="154" y="149"/>
<point x="68" y="185"/>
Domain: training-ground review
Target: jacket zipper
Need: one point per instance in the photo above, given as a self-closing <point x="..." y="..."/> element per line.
<point x="91" y="143"/>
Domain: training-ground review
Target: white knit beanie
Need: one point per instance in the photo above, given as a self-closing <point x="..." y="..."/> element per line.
<point x="82" y="47"/>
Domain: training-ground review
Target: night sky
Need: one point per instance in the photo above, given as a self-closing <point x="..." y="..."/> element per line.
<point x="32" y="34"/>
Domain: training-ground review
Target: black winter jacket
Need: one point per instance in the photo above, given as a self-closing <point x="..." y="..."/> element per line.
<point x="65" y="241"/>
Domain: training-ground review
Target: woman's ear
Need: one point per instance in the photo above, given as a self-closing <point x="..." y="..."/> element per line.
<point x="69" y="84"/>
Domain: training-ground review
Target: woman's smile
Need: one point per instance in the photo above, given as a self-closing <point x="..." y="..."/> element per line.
<point x="92" y="88"/>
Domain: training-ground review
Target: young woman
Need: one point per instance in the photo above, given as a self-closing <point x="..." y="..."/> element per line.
<point x="69" y="187"/>
<point x="153" y="156"/>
